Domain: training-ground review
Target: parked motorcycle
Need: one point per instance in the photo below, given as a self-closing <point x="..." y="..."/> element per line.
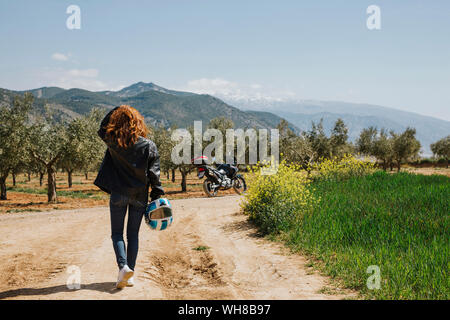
<point x="223" y="177"/>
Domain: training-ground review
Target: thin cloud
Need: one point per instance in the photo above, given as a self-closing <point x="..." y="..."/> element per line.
<point x="86" y="73"/>
<point x="230" y="90"/>
<point x="60" y="57"/>
<point x="76" y="78"/>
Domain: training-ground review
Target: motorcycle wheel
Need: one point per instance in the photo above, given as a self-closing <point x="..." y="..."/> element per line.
<point x="207" y="187"/>
<point x="239" y="185"/>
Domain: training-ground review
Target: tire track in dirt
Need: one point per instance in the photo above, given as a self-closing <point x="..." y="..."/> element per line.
<point x="181" y="271"/>
<point x="232" y="261"/>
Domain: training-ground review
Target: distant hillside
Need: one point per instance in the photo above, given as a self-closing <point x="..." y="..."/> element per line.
<point x="45" y="92"/>
<point x="272" y="120"/>
<point x="141" y="87"/>
<point x="60" y="112"/>
<point x="355" y="116"/>
<point x="157" y="104"/>
<point x="182" y="111"/>
<point x="82" y="101"/>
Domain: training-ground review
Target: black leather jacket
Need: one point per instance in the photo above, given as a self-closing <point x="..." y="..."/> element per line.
<point x="130" y="171"/>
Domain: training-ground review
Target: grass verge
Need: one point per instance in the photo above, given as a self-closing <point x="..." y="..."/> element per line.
<point x="395" y="224"/>
<point x="79" y="194"/>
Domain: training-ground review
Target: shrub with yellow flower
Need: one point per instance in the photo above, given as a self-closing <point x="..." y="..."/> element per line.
<point x="275" y="201"/>
<point x="342" y="168"/>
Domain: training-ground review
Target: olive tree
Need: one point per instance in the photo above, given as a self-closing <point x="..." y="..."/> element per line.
<point x="72" y="157"/>
<point x="294" y="148"/>
<point x="12" y="135"/>
<point x="319" y="140"/>
<point x="223" y="124"/>
<point x="84" y="149"/>
<point x="339" y="146"/>
<point x="93" y="148"/>
<point x="46" y="143"/>
<point x="441" y="148"/>
<point x="383" y="149"/>
<point x="161" y="138"/>
<point x="37" y="167"/>
<point x="376" y="144"/>
<point x="405" y="146"/>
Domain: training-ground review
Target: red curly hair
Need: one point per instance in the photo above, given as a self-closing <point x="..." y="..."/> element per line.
<point x="125" y="126"/>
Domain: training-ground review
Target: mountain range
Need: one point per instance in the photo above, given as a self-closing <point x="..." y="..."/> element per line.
<point x="157" y="104"/>
<point x="356" y="116"/>
<point x="170" y="107"/>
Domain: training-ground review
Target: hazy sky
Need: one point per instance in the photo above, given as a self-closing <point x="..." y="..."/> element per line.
<point x="266" y="49"/>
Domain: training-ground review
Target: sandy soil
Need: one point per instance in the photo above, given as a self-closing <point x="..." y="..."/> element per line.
<point x="428" y="171"/>
<point x="38" y="248"/>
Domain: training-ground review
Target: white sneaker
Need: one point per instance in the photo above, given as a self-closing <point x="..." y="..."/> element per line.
<point x="130" y="282"/>
<point x="124" y="274"/>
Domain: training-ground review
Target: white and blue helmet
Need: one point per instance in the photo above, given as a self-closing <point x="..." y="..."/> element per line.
<point x="158" y="215"/>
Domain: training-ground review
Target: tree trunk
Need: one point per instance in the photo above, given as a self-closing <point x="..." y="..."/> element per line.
<point x="51" y="187"/>
<point x="69" y="178"/>
<point x="14" y="179"/>
<point x="183" y="181"/>
<point x="168" y="174"/>
<point x="41" y="178"/>
<point x="3" y="188"/>
<point x="173" y="175"/>
<point x="86" y="175"/>
<point x="398" y="165"/>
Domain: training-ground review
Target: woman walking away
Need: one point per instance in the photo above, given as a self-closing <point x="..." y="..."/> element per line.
<point x="129" y="168"/>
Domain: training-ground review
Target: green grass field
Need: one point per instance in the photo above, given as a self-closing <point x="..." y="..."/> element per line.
<point x="399" y="223"/>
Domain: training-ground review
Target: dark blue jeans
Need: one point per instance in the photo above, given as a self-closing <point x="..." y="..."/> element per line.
<point x="118" y="205"/>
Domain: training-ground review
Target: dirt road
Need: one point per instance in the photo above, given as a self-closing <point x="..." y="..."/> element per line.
<point x="40" y="251"/>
